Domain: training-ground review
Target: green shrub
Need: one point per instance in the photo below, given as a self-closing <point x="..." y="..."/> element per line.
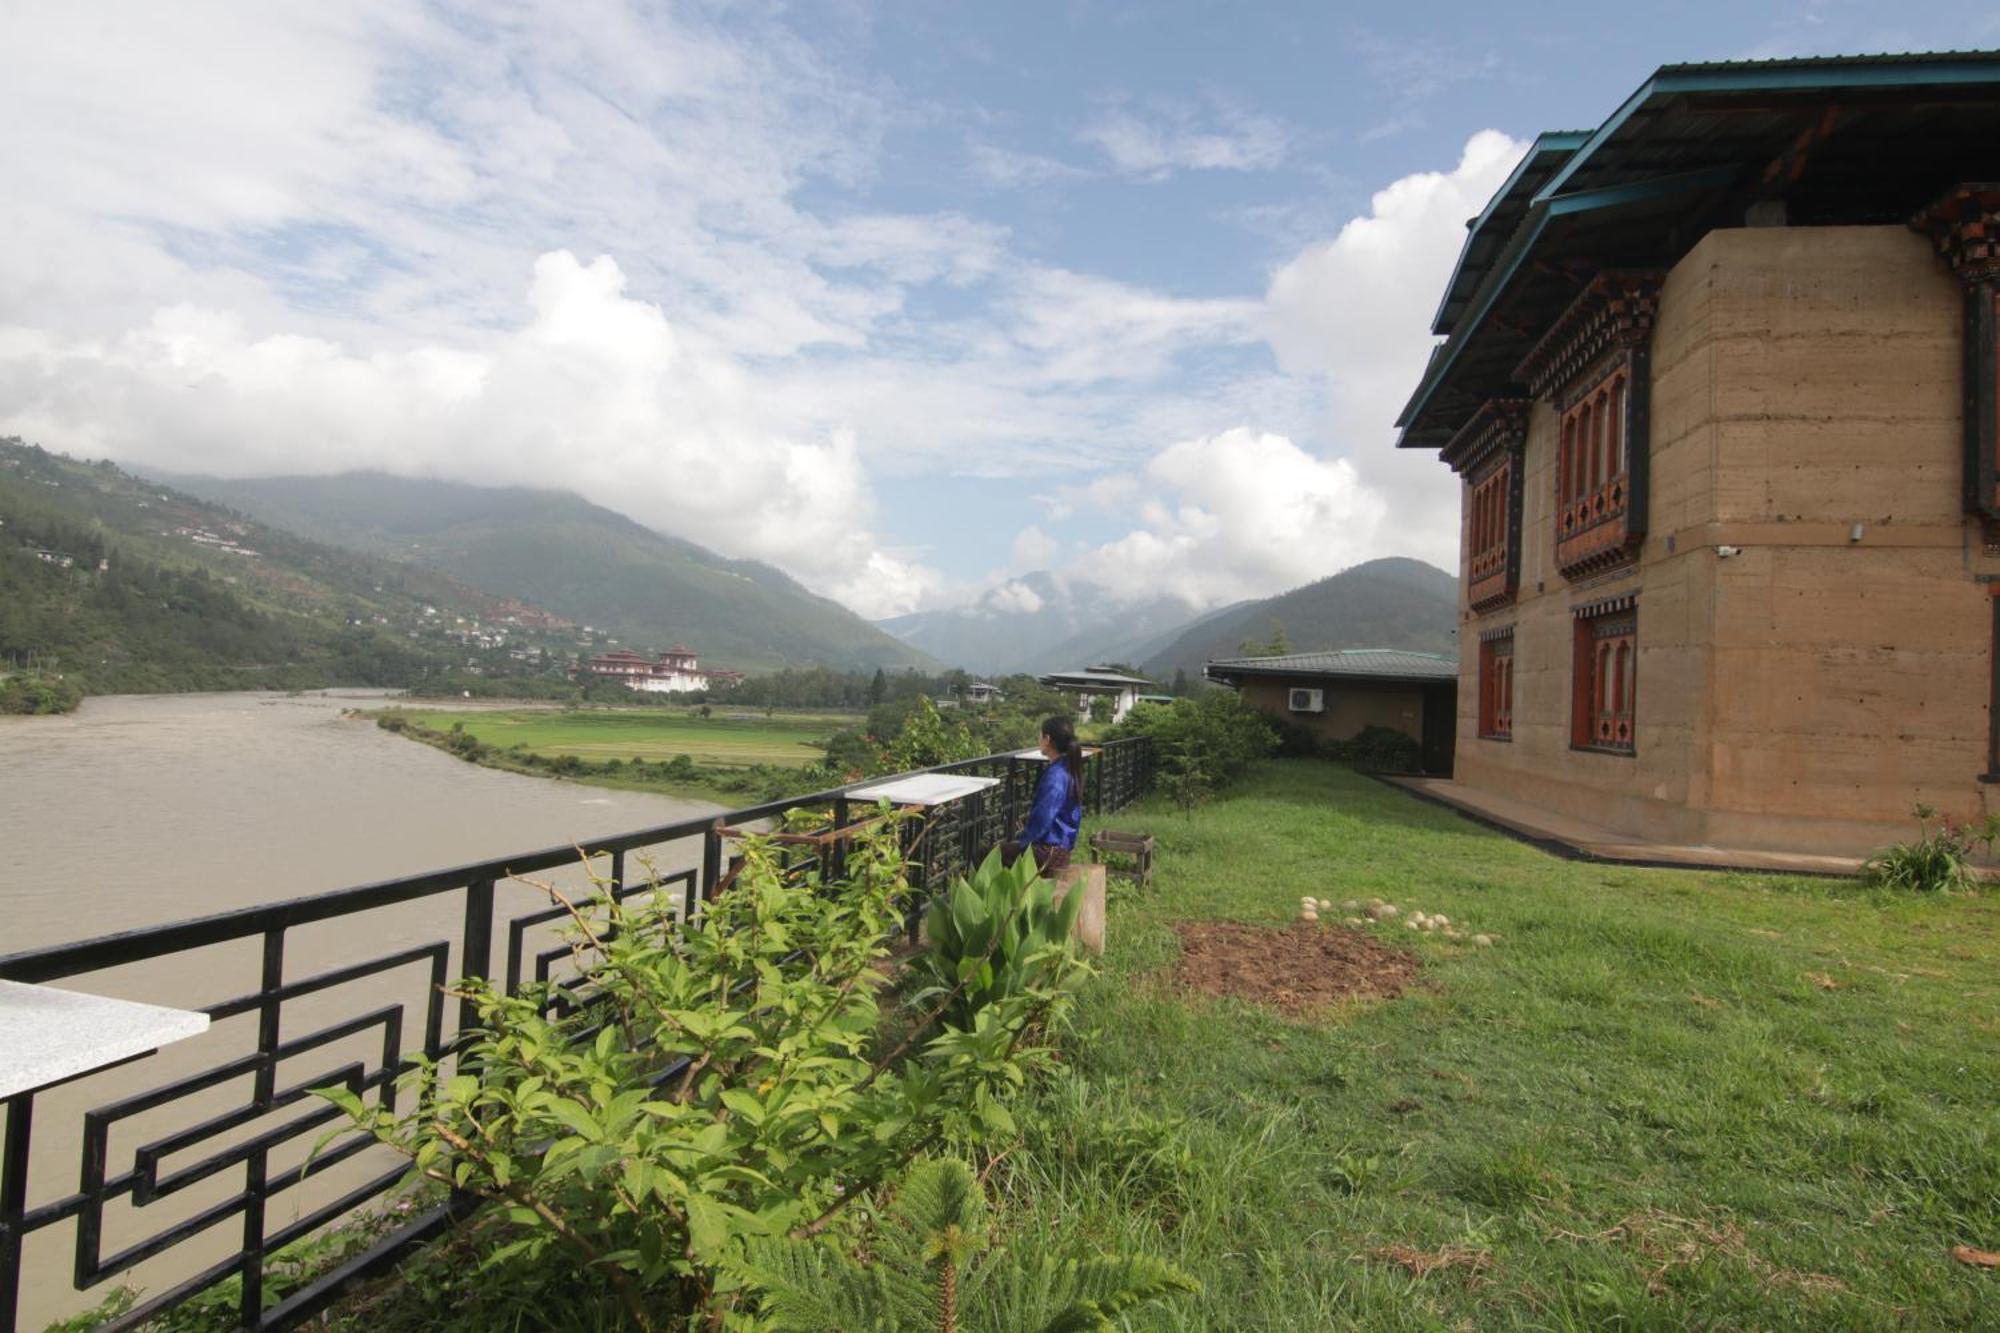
<point x="993" y="937"/>
<point x="720" y="1082"/>
<point x="1201" y="744"/>
<point x="1378" y="750"/>
<point x="936" y="1263"/>
<point x="1936" y="860"/>
<point x="39" y="694"/>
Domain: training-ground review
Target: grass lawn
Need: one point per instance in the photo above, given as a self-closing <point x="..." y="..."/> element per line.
<point x="652" y="734"/>
<point x="1665" y="1100"/>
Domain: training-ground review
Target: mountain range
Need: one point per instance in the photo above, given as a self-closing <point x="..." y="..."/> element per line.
<point x="1041" y="622"/>
<point x="410" y="577"/>
<point x="580" y="560"/>
<point x="1388" y="603"/>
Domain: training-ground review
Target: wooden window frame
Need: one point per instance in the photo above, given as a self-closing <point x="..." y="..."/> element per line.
<point x="1594" y="366"/>
<point x="1604" y="680"/>
<point x="1487" y="453"/>
<point x="1964" y="226"/>
<point x="1496" y="686"/>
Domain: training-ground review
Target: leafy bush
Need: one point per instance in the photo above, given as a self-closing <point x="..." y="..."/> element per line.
<point x="39" y="694"/>
<point x="1936" y="860"/>
<point x="935" y="1265"/>
<point x="994" y="937"/>
<point x="1201" y="744"/>
<point x="1378" y="750"/>
<point x="706" y="1084"/>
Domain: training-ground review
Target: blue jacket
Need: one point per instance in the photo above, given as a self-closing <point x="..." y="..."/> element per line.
<point x="1058" y="809"/>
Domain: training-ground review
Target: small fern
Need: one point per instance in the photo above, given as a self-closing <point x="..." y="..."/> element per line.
<point x="936" y="1270"/>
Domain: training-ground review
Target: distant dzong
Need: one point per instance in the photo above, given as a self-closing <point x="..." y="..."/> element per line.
<point x="673" y="672"/>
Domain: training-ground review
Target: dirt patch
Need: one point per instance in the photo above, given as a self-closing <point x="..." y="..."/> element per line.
<point x="1298" y="969"/>
<point x="1424" y="1262"/>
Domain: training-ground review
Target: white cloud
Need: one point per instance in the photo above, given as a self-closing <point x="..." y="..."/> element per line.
<point x="1245" y="511"/>
<point x="294" y="238"/>
<point x="1011" y="168"/>
<point x="1167" y="137"/>
<point x="593" y="389"/>
<point x="1033" y="549"/>
<point x="1240" y="514"/>
<point x="1354" y="314"/>
<point x="1013" y="598"/>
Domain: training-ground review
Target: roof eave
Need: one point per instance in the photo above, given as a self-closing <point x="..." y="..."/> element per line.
<point x="1541" y="212"/>
<point x="1547" y="143"/>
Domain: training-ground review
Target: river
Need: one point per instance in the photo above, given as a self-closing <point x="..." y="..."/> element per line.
<point x="144" y="809"/>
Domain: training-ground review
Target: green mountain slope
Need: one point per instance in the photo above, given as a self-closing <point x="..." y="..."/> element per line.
<point x="129" y="585"/>
<point x="1392" y="603"/>
<point x="583" y="562"/>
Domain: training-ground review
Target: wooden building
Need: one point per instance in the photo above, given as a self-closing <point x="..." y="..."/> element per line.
<point x="1091" y="683"/>
<point x="674" y="672"/>
<point x="1719" y="380"/>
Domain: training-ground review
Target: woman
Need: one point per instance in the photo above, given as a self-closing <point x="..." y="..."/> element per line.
<point x="1050" y="832"/>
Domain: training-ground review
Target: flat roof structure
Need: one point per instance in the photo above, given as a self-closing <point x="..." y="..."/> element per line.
<point x="1093" y="679"/>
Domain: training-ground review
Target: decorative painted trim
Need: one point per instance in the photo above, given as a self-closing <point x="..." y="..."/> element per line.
<point x="1504" y="632"/>
<point x="1488" y="452"/>
<point x="1615" y="309"/>
<point x="1604" y="606"/>
<point x="1500" y="424"/>
<point x="1964" y="226"/>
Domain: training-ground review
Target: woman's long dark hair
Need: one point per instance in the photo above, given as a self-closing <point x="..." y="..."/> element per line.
<point x="1062" y="734"/>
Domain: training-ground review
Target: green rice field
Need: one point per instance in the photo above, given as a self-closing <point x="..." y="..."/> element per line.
<point x="652" y="734"/>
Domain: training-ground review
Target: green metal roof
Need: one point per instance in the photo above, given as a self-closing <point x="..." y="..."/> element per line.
<point x="1390" y="664"/>
<point x="1862" y="138"/>
<point x="1486" y="233"/>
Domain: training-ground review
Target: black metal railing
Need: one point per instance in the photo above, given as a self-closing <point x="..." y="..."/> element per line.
<point x="250" y="1111"/>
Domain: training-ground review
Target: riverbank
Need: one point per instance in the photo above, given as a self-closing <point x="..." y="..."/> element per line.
<point x="31" y="695"/>
<point x="695" y="753"/>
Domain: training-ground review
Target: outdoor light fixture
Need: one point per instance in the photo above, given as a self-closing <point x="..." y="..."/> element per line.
<point x="1854" y="533"/>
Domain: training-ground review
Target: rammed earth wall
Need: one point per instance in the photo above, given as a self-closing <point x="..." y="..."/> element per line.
<point x="1801" y="694"/>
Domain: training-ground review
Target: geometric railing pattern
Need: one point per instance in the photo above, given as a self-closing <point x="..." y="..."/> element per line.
<point x="230" y="1141"/>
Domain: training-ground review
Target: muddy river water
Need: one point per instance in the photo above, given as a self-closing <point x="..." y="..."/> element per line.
<point x="140" y="810"/>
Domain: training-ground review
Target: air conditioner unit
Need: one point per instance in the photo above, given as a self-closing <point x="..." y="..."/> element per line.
<point x="1308" y="701"/>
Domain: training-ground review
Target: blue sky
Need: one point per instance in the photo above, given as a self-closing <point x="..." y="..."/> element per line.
<point x="905" y="298"/>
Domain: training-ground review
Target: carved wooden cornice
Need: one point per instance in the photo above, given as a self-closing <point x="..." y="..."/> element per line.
<point x="1964" y="225"/>
<point x="1500" y="425"/>
<point x="1616" y="309"/>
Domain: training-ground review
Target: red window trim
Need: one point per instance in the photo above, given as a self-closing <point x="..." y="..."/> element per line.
<point x="1604" y="682"/>
<point x="1496" y="687"/>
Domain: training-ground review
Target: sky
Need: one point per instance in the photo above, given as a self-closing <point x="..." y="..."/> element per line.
<point x="904" y="298"/>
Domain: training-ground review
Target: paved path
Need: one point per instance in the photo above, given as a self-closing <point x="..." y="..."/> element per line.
<point x="1598" y="843"/>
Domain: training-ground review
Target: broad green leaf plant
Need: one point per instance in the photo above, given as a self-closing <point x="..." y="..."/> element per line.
<point x="712" y="1083"/>
<point x="995" y="937"/>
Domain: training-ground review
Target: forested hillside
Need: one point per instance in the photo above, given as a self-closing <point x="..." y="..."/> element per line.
<point x="125" y="585"/>
<point x="580" y="560"/>
<point x="1391" y="603"/>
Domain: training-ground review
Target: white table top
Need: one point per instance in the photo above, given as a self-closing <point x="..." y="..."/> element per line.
<point x="923" y="789"/>
<point x="48" y="1035"/>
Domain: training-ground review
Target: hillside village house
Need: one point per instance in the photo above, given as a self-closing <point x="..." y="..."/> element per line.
<point x="1092" y="683"/>
<point x="673" y="672"/>
<point x="1718" y="379"/>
